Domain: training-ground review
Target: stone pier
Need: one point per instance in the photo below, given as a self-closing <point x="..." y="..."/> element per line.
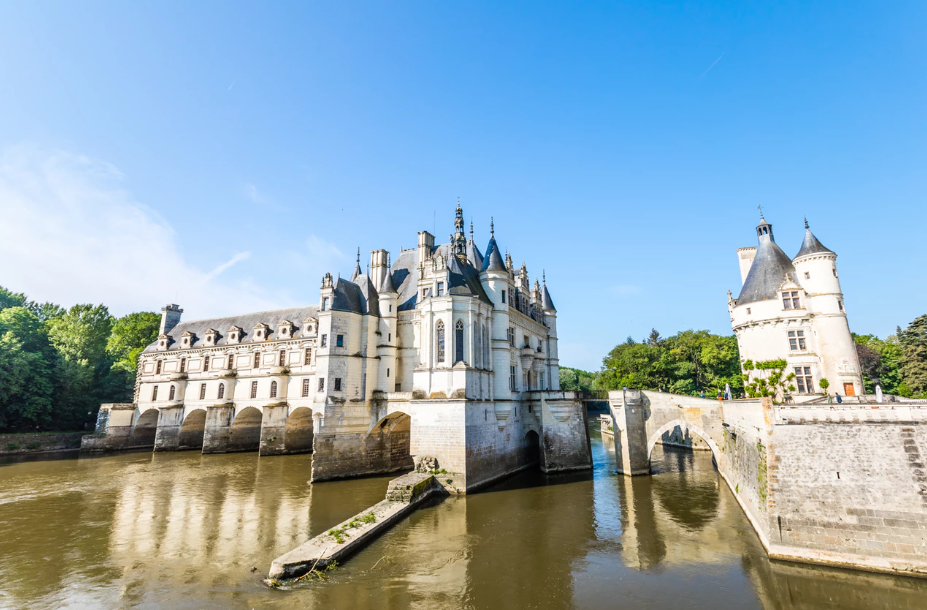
<point x="167" y="437"/>
<point x="273" y="429"/>
<point x="218" y="428"/>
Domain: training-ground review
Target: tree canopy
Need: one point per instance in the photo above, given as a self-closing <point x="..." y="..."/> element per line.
<point x="57" y="365"/>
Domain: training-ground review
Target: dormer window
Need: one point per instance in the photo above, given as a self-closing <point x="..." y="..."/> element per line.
<point x="261" y="332"/>
<point x="790" y="300"/>
<point x="210" y="336"/>
<point x="285" y="329"/>
<point x="325" y="303"/>
<point x="234" y="334"/>
<point x="186" y="339"/>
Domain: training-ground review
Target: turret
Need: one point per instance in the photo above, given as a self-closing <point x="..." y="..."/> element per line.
<point x="550" y="319"/>
<point x="357" y="268"/>
<point x="816" y="266"/>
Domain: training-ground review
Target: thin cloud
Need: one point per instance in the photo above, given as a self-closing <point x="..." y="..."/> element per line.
<point x="710" y="67"/>
<point x="241" y="256"/>
<point x="74" y="234"/>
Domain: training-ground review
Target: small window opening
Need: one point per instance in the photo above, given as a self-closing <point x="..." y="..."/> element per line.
<point x="337" y="384"/>
<point x="339" y="341"/>
<point x="305" y="388"/>
<point x="254" y="389"/>
<point x="170" y="393"/>
<point x="154" y="394"/>
<point x="202" y="391"/>
<point x="273" y="389"/>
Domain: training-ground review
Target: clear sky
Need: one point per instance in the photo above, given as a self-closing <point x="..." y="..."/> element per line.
<point x="225" y="155"/>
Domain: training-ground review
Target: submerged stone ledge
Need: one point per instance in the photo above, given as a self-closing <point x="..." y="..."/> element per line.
<point x="403" y="496"/>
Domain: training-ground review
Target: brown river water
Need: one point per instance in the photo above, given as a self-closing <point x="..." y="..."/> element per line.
<point x="184" y="530"/>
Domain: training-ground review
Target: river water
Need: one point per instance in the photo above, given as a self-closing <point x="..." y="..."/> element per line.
<point x="185" y="530"/>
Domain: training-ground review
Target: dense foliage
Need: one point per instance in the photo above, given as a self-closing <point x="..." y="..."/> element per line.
<point x="57" y="365"/>
<point x="897" y="363"/>
<point x="577" y="379"/>
<point x="689" y="362"/>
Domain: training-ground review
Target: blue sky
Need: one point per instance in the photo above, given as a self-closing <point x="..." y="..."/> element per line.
<point x="224" y="156"/>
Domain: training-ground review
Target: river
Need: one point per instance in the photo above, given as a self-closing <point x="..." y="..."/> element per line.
<point x="184" y="530"/>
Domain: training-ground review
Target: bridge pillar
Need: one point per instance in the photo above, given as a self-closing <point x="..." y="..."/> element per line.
<point x="218" y="427"/>
<point x="167" y="435"/>
<point x="273" y="429"/>
<point x="631" y="435"/>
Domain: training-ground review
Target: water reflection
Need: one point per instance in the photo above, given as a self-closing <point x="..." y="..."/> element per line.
<point x="184" y="530"/>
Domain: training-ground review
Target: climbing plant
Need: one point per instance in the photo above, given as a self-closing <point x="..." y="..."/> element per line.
<point x="767" y="378"/>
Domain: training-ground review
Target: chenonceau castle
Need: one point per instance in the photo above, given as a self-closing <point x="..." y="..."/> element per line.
<point x="445" y="360"/>
<point x="446" y="354"/>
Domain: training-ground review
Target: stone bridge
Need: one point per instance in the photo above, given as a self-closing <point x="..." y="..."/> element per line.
<point x="842" y="485"/>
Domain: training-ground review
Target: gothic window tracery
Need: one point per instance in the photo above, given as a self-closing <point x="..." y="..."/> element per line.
<point x="458" y="342"/>
<point x="439" y="340"/>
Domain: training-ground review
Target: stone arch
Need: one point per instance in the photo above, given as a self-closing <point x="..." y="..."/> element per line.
<point x="686" y="426"/>
<point x="192" y="430"/>
<point x="145" y="428"/>
<point x="532" y="449"/>
<point x="245" y="430"/>
<point x="389" y="440"/>
<point x="299" y="433"/>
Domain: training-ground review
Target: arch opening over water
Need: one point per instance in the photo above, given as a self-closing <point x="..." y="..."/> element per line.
<point x="389" y="441"/>
<point x="245" y="431"/>
<point x="145" y="428"/>
<point x="193" y="429"/>
<point x="299" y="433"/>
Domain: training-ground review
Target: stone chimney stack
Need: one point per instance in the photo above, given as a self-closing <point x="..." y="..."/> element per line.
<point x="170" y="317"/>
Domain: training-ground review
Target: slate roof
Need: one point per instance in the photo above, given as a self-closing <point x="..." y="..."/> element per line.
<point x="493" y="260"/>
<point x="770" y="269"/>
<point x="246" y="322"/>
<point x="359" y="296"/>
<point x="546" y="302"/>
<point x="811" y="245"/>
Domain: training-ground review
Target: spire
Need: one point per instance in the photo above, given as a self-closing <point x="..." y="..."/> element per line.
<point x="357" y="269"/>
<point x="492" y="227"/>
<point x="471" y="228"/>
<point x="458" y="241"/>
<point x="811" y="245"/>
<point x="547" y="303"/>
<point x="493" y="259"/>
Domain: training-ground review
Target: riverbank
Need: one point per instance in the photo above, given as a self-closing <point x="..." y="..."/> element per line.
<point x="39" y="442"/>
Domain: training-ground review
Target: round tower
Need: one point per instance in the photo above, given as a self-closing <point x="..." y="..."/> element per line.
<point x="388" y="341"/>
<point x="816" y="271"/>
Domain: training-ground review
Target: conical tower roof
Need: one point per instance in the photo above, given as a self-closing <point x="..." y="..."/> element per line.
<point x="770" y="269"/>
<point x="811" y="245"/>
<point x="546" y="302"/>
<point x="493" y="259"/>
<point x="387" y="287"/>
<point x="357" y="270"/>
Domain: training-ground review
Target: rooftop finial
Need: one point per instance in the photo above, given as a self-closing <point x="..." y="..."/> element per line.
<point x="760" y="208"/>
<point x="806" y="222"/>
<point x="492" y="227"/>
<point x="471" y="228"/>
<point x="544" y="276"/>
<point x="358" y="256"/>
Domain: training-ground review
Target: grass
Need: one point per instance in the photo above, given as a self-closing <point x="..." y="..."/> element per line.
<point x="339" y="534"/>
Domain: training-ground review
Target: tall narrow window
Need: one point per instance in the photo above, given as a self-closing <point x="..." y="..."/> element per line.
<point x="170" y="393"/>
<point x="282" y="361"/>
<point x="325" y="304"/>
<point x="206" y="363"/>
<point x="339" y="341"/>
<point x="321" y="384"/>
<point x="458" y="342"/>
<point x="503" y="297"/>
<point x="804" y="380"/>
<point x="324" y="341"/>
<point x="439" y="340"/>
<point x="273" y="389"/>
<point x="183" y="365"/>
<point x="337" y="384"/>
<point x="221" y="394"/>
<point x="477" y="347"/>
<point x="257" y="360"/>
<point x="486" y="363"/>
<point x="308" y="357"/>
<point x="154" y="394"/>
<point x="254" y="389"/>
<point x="202" y="391"/>
<point x="512" y="378"/>
<point x="440" y="289"/>
<point x="158" y="368"/>
<point x="305" y="388"/>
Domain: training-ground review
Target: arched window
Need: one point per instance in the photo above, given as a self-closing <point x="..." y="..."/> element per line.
<point x="439" y="340"/>
<point x="458" y="342"/>
<point x="486" y="360"/>
<point x="477" y="347"/>
<point x="273" y="389"/>
<point x="170" y="393"/>
<point x="221" y="391"/>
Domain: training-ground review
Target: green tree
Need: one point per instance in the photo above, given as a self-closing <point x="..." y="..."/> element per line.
<point x="913" y="342"/>
<point x="11" y="299"/>
<point x="128" y="337"/>
<point x="26" y="378"/>
<point x="577" y="379"/>
<point x="880" y="362"/>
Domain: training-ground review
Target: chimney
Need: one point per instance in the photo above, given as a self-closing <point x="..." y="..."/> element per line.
<point x="170" y="317"/>
<point x="378" y="268"/>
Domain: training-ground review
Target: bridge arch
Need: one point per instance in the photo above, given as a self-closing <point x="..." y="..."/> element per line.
<point x="145" y="427"/>
<point x="193" y="429"/>
<point x="686" y="427"/>
<point x="245" y="430"/>
<point x="299" y="433"/>
<point x="389" y="441"/>
<point x="532" y="449"/>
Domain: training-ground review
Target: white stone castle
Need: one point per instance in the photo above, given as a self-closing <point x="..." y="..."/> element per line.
<point x="446" y="353"/>
<point x="792" y="309"/>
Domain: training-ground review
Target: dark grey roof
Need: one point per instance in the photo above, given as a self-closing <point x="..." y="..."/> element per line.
<point x="493" y="260"/>
<point x="387" y="287"/>
<point x="246" y="322"/>
<point x="546" y="302"/>
<point x="405" y="275"/>
<point x="358" y="297"/>
<point x="811" y="245"/>
<point x="770" y="269"/>
<point x="474" y="255"/>
<point x="464" y="279"/>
